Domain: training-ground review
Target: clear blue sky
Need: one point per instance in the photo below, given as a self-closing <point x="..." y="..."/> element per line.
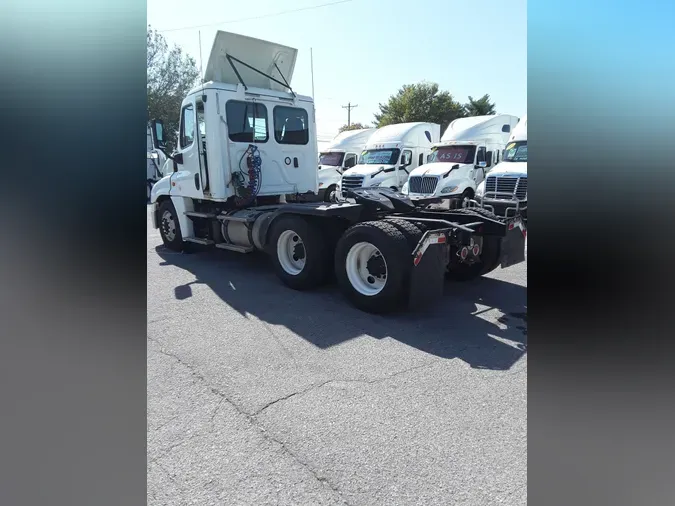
<point x="365" y="50"/>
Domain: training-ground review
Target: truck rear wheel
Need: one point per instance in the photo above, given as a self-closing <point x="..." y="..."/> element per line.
<point x="169" y="226"/>
<point x="413" y="232"/>
<point x="297" y="248"/>
<point x="372" y="266"/>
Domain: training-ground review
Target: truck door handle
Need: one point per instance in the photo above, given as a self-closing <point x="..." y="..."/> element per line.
<point x="295" y="162"/>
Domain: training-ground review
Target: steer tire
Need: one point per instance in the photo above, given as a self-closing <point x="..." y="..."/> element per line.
<point x="396" y="252"/>
<point x="314" y="272"/>
<point x="176" y="242"/>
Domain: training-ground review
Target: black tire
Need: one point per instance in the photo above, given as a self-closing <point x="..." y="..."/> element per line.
<point x="466" y="196"/>
<point x="480" y="211"/>
<point x="172" y="241"/>
<point x="393" y="246"/>
<point x="413" y="232"/>
<point x="329" y="191"/>
<point x="489" y="261"/>
<point x="315" y="270"/>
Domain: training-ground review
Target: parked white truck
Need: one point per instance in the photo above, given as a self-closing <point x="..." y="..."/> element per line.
<point x="156" y="157"/>
<point x="342" y="154"/>
<point x="258" y="147"/>
<point x="391" y="153"/>
<point x="458" y="164"/>
<point x="504" y="192"/>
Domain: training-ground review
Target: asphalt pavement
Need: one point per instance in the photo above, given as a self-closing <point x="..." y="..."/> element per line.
<point x="261" y="395"/>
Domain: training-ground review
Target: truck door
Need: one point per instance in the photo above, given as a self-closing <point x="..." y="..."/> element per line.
<point x="405" y="167"/>
<point x="351" y="159"/>
<point x="291" y="133"/>
<point x="187" y="178"/>
<point x="201" y="146"/>
<point x="478" y="173"/>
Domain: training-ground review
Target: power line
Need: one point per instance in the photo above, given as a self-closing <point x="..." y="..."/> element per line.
<point x="349" y="108"/>
<point x="256" y="17"/>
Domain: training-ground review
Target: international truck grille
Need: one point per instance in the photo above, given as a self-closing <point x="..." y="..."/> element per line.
<point x="352" y="182"/>
<point x="422" y="184"/>
<point x="507" y="187"/>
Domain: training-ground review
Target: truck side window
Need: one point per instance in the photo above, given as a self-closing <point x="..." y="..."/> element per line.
<point x="480" y="157"/>
<point x="350" y="161"/>
<point x="291" y="125"/>
<point x="246" y="121"/>
<point x="488" y="158"/>
<point x="201" y="122"/>
<point x="421" y="162"/>
<point x="187" y="126"/>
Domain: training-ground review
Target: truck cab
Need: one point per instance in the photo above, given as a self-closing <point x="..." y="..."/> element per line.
<point x="470" y="147"/>
<point x="341" y="154"/>
<point x="391" y="154"/>
<point x="504" y="192"/>
<point x="243" y="134"/>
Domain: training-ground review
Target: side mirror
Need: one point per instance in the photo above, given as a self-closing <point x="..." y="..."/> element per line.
<point x="158" y="133"/>
<point x="482" y="165"/>
<point x="178" y="158"/>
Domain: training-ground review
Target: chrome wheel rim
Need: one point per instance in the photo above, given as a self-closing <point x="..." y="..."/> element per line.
<point x="168" y="226"/>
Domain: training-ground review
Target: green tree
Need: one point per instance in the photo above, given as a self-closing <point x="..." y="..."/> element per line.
<point x="171" y="74"/>
<point x="353" y="126"/>
<point x="480" y="107"/>
<point x="420" y="102"/>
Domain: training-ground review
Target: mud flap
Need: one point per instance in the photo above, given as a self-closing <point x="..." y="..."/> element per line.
<point x="427" y="277"/>
<point x="513" y="244"/>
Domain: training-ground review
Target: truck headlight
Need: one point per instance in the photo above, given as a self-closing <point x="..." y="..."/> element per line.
<point x="404" y="190"/>
<point x="449" y="189"/>
<point x="374" y="185"/>
<point x="480" y="191"/>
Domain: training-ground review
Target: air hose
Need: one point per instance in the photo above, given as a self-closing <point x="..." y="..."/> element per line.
<point x="246" y="192"/>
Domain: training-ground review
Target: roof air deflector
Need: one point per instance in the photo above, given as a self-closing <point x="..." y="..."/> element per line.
<point x="252" y="62"/>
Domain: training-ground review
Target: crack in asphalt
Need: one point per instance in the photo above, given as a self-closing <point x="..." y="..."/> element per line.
<point x="250" y="418"/>
<point x="327" y="382"/>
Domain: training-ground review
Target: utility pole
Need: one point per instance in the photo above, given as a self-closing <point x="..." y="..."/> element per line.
<point x="349" y="108"/>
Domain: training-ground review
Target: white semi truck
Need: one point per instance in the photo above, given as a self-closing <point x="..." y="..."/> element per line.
<point x="459" y="163"/>
<point x="392" y="152"/>
<point x="156" y="157"/>
<point x="259" y="150"/>
<point x="340" y="155"/>
<point x="504" y="192"/>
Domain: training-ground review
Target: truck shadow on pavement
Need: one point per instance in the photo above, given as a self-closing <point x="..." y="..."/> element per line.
<point x="483" y="322"/>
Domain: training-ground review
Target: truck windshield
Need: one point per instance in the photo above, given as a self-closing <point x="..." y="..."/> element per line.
<point x="332" y="159"/>
<point x="516" y="152"/>
<point x="453" y="154"/>
<point x="382" y="156"/>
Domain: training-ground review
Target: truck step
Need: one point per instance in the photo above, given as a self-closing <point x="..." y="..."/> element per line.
<point x="234" y="247"/>
<point x="195" y="214"/>
<point x="199" y="240"/>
